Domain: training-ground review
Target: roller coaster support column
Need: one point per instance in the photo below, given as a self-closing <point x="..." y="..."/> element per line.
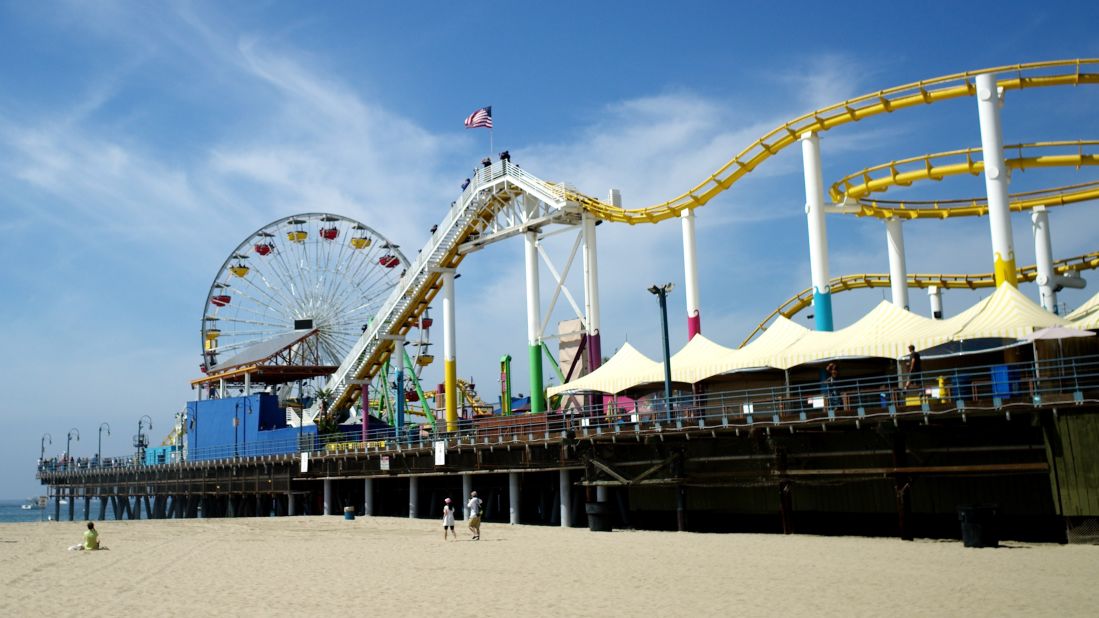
<point x="818" y="234"/>
<point x="1043" y="258"/>
<point x="989" y="101"/>
<point x="534" y="325"/>
<point x="935" y="293"/>
<point x="398" y="351"/>
<point x="898" y="270"/>
<point x="450" y="372"/>
<point x="591" y="288"/>
<point x="690" y="273"/>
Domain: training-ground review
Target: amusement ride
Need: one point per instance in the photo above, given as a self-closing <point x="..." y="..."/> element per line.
<point x="340" y="306"/>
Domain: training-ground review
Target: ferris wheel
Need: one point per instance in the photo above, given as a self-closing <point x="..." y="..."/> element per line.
<point x="314" y="271"/>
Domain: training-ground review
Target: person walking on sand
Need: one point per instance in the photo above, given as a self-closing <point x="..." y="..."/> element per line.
<point x="448" y="519"/>
<point x="474" y="510"/>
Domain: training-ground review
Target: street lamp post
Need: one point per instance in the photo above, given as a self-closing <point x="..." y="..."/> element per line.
<point x="140" y="441"/>
<point x="662" y="293"/>
<point x="99" y="453"/>
<point x="68" y="443"/>
<point x="42" y="454"/>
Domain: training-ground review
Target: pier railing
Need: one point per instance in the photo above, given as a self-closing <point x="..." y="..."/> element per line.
<point x="999" y="388"/>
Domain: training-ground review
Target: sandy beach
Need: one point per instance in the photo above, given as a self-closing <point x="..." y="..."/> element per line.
<point x="380" y="566"/>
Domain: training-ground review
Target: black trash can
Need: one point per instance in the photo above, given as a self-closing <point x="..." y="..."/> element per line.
<point x="599" y="516"/>
<point x="979" y="525"/>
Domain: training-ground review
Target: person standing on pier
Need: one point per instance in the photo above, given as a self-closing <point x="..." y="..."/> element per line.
<point x="915" y="369"/>
<point x="448" y="519"/>
<point x="474" y="510"/>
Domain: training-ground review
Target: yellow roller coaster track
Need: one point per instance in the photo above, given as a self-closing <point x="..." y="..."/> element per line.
<point x="1031" y="75"/>
<point x="803" y="299"/>
<point x="978" y="206"/>
<point x="857" y="186"/>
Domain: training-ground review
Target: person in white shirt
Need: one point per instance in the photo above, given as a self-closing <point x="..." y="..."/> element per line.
<point x="448" y="519"/>
<point x="473" y="508"/>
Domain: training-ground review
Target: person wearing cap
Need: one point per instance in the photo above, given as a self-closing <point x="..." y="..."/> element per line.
<point x="474" y="510"/>
<point x="448" y="519"/>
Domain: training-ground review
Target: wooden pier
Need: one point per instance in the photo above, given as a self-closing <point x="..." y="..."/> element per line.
<point x="903" y="472"/>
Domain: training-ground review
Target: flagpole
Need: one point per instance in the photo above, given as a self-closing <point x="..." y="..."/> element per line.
<point x="490" y="135"/>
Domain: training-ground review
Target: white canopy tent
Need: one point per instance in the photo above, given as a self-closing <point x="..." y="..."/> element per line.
<point x="885" y="332"/>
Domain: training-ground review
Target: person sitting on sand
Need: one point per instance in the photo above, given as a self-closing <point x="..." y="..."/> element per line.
<point x="91" y="540"/>
<point x="448" y="519"/>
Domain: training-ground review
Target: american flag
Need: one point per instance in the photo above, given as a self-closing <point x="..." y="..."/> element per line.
<point x="480" y="118"/>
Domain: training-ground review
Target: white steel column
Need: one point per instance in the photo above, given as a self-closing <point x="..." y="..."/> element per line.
<point x="368" y="497"/>
<point x="534" y="324"/>
<point x="413" y="495"/>
<point x="818" y="233"/>
<point x="996" y="180"/>
<point x="935" y="293"/>
<point x="467" y="489"/>
<point x="450" y="371"/>
<point x="1043" y="257"/>
<point x="513" y="498"/>
<point x="328" y="509"/>
<point x="565" y="488"/>
<point x="289" y="505"/>
<point x="591" y="291"/>
<point x="898" y="269"/>
<point x="601" y="493"/>
<point x="690" y="273"/>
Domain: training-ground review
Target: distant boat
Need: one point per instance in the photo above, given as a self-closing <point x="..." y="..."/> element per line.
<point x="33" y="503"/>
<point x="64" y="501"/>
<point x="27" y="507"/>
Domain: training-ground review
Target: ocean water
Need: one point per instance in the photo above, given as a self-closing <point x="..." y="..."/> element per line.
<point x="12" y="511"/>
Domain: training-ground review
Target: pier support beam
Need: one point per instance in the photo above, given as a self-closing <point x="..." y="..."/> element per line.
<point x="290" y="511"/>
<point x="534" y="324"/>
<point x="786" y="507"/>
<point x="413" y="496"/>
<point x="898" y="268"/>
<point x="329" y="507"/>
<point x="467" y="489"/>
<point x="102" y="508"/>
<point x="989" y="101"/>
<point x="513" y="498"/>
<point x="818" y="234"/>
<point x="935" y="294"/>
<point x="57" y="504"/>
<point x="565" y="488"/>
<point x="681" y="508"/>
<point x="903" y="488"/>
<point x="1043" y="258"/>
<point x="72" y="503"/>
<point x="690" y="273"/>
<point x="368" y="497"/>
<point x="87" y="505"/>
<point x="601" y="493"/>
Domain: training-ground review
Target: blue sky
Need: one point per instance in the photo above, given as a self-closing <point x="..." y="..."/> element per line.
<point x="140" y="142"/>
